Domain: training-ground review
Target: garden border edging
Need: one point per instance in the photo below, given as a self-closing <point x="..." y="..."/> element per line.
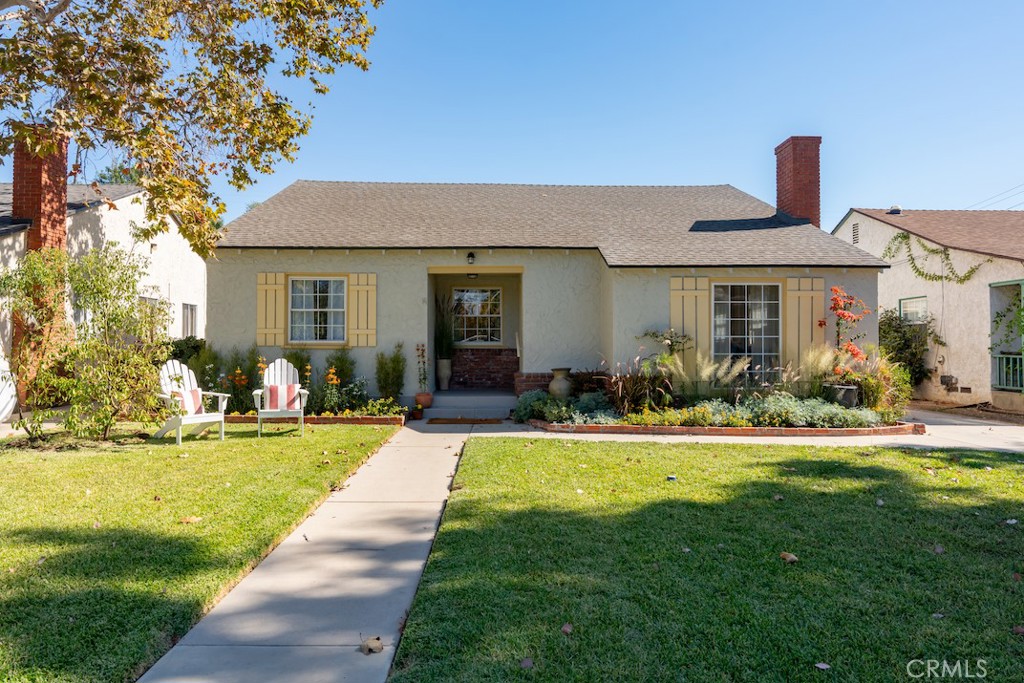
<point x="898" y="429"/>
<point x="322" y="420"/>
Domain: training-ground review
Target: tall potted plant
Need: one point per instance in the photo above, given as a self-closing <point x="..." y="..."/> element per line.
<point x="444" y="340"/>
<point x="423" y="397"/>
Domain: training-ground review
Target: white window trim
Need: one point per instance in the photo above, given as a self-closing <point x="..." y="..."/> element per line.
<point x="501" y="316"/>
<point x="782" y="317"/>
<point x="344" y="311"/>
<point x="914" y="298"/>
<point x="195" y="319"/>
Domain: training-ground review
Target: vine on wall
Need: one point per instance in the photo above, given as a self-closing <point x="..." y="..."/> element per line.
<point x="901" y="243"/>
<point x="1008" y="326"/>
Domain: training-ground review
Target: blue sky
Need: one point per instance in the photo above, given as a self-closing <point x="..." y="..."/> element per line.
<point x="919" y="103"/>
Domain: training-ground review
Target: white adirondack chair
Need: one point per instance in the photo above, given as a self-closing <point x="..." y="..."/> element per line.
<point x="281" y="396"/>
<point x="183" y="395"/>
<point x="8" y="390"/>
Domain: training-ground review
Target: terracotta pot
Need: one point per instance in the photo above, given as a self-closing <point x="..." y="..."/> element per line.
<point x="444" y="373"/>
<point x="560" y="386"/>
<point x="415" y="414"/>
<point x="425" y="399"/>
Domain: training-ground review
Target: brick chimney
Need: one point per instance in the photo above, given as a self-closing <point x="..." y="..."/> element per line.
<point x="798" y="178"/>
<point x="41" y="195"/>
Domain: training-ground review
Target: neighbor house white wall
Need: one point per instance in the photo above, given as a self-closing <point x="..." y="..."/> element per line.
<point x="963" y="313"/>
<point x="174" y="272"/>
<point x="12" y="248"/>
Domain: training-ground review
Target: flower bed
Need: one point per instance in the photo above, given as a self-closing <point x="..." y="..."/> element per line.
<point x="898" y="429"/>
<point x="322" y="419"/>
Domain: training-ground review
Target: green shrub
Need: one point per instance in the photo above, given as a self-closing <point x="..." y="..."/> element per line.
<point x="784" y="410"/>
<point x="207" y="364"/>
<point x="528" y="407"/>
<point x="636" y="386"/>
<point x="601" y="417"/>
<point x="344" y="365"/>
<point x="300" y="359"/>
<point x="907" y="343"/>
<point x="186" y="348"/>
<point x="556" y="409"/>
<point x="588" y="381"/>
<point x="391" y="372"/>
<point x="592" y="402"/>
<point x="382" y="406"/>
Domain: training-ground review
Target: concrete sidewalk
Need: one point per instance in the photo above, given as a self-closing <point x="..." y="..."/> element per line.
<point x="348" y="572"/>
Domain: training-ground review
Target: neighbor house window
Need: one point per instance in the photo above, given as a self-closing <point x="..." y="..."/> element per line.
<point x="477" y="315"/>
<point x="316" y="309"/>
<point x="747" y="323"/>
<point x="914" y="310"/>
<point x="189" y="323"/>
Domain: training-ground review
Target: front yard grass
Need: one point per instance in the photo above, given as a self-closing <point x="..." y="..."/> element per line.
<point x="109" y="553"/>
<point x="903" y="555"/>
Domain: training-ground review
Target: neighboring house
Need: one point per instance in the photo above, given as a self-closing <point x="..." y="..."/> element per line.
<point x="40" y="209"/>
<point x="547" y="276"/>
<point x="966" y="370"/>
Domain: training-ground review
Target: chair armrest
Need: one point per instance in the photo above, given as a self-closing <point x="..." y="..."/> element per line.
<point x="303" y="397"/>
<point x="257" y="398"/>
<point x="222" y="399"/>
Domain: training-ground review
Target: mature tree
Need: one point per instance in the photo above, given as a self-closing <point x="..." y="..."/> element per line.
<point x="120" y="172"/>
<point x="187" y="89"/>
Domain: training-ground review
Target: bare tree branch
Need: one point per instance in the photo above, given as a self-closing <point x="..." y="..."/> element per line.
<point x="34" y="7"/>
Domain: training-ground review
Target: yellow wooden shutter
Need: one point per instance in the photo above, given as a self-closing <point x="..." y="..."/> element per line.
<point x="690" y="313"/>
<point x="362" y="309"/>
<point x="271" y="309"/>
<point x="805" y="306"/>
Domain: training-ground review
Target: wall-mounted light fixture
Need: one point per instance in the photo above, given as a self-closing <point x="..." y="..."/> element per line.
<point x="472" y="276"/>
<point x="470" y="258"/>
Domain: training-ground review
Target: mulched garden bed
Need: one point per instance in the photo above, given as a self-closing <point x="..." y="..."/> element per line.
<point x="898" y="429"/>
<point x="322" y="420"/>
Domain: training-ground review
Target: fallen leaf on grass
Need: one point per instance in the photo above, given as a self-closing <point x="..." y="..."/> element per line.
<point x="939" y="550"/>
<point x="1016" y="576"/>
<point x="526" y="663"/>
<point x="41" y="560"/>
<point x="567" y="628"/>
<point x="930" y="471"/>
<point x="326" y="462"/>
<point x="879" y="502"/>
<point x="157" y="498"/>
<point x="95" y="525"/>
<point x="789" y="558"/>
<point x="823" y="666"/>
<point x="938" y="615"/>
<point x="372" y="645"/>
<point x="191" y="519"/>
<point x="778" y="496"/>
<point x="1011" y="522"/>
<point x="1018" y="630"/>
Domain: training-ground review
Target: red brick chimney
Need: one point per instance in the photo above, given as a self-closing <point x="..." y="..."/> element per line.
<point x="798" y="178"/>
<point x="41" y="195"/>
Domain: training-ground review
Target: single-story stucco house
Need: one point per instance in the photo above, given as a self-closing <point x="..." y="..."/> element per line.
<point x="550" y="275"/>
<point x="966" y="369"/>
<point x="41" y="209"/>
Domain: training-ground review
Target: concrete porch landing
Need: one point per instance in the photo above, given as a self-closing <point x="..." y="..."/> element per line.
<point x="471" y="403"/>
<point x="348" y="572"/>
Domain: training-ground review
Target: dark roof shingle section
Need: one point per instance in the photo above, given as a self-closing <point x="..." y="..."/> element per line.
<point x="80" y="198"/>
<point x="993" y="233"/>
<point x="714" y="225"/>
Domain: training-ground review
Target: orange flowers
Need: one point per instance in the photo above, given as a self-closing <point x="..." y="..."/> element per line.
<point x="848" y="310"/>
<point x="332" y="377"/>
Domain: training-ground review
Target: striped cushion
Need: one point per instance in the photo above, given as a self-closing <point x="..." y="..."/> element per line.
<point x="283" y="397"/>
<point x="191" y="401"/>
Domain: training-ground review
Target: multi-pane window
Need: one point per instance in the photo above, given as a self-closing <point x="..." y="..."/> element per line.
<point x="316" y="309"/>
<point x="914" y="310"/>
<point x="747" y="323"/>
<point x="189" y="324"/>
<point x="477" y="315"/>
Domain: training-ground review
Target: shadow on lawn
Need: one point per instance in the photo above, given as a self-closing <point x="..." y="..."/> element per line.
<point x="99" y="608"/>
<point x="681" y="589"/>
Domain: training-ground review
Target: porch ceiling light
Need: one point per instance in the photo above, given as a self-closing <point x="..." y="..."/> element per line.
<point x="470" y="258"/>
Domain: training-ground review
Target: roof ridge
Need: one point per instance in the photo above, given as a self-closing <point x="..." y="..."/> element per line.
<point x="469" y="184"/>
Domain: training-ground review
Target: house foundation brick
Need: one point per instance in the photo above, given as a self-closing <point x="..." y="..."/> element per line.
<point x="528" y="381"/>
<point x="482" y="368"/>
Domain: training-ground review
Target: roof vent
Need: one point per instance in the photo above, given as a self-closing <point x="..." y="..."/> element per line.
<point x="895" y="210"/>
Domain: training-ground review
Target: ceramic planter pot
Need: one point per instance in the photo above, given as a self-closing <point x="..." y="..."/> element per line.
<point x="425" y="399"/>
<point x="844" y="394"/>
<point x="444" y="373"/>
<point x="560" y="386"/>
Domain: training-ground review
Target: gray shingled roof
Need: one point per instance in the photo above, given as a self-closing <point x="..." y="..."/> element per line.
<point x="714" y="225"/>
<point x="80" y="198"/>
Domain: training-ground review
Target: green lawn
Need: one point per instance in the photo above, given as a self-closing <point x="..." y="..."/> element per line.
<point x="902" y="555"/>
<point x="98" y="573"/>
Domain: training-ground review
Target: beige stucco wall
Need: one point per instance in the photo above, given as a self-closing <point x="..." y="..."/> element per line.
<point x="641" y="298"/>
<point x="574" y="310"/>
<point x="174" y="273"/>
<point x="963" y="313"/>
<point x="560" y="311"/>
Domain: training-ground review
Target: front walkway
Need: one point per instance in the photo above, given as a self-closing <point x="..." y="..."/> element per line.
<point x="348" y="572"/>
